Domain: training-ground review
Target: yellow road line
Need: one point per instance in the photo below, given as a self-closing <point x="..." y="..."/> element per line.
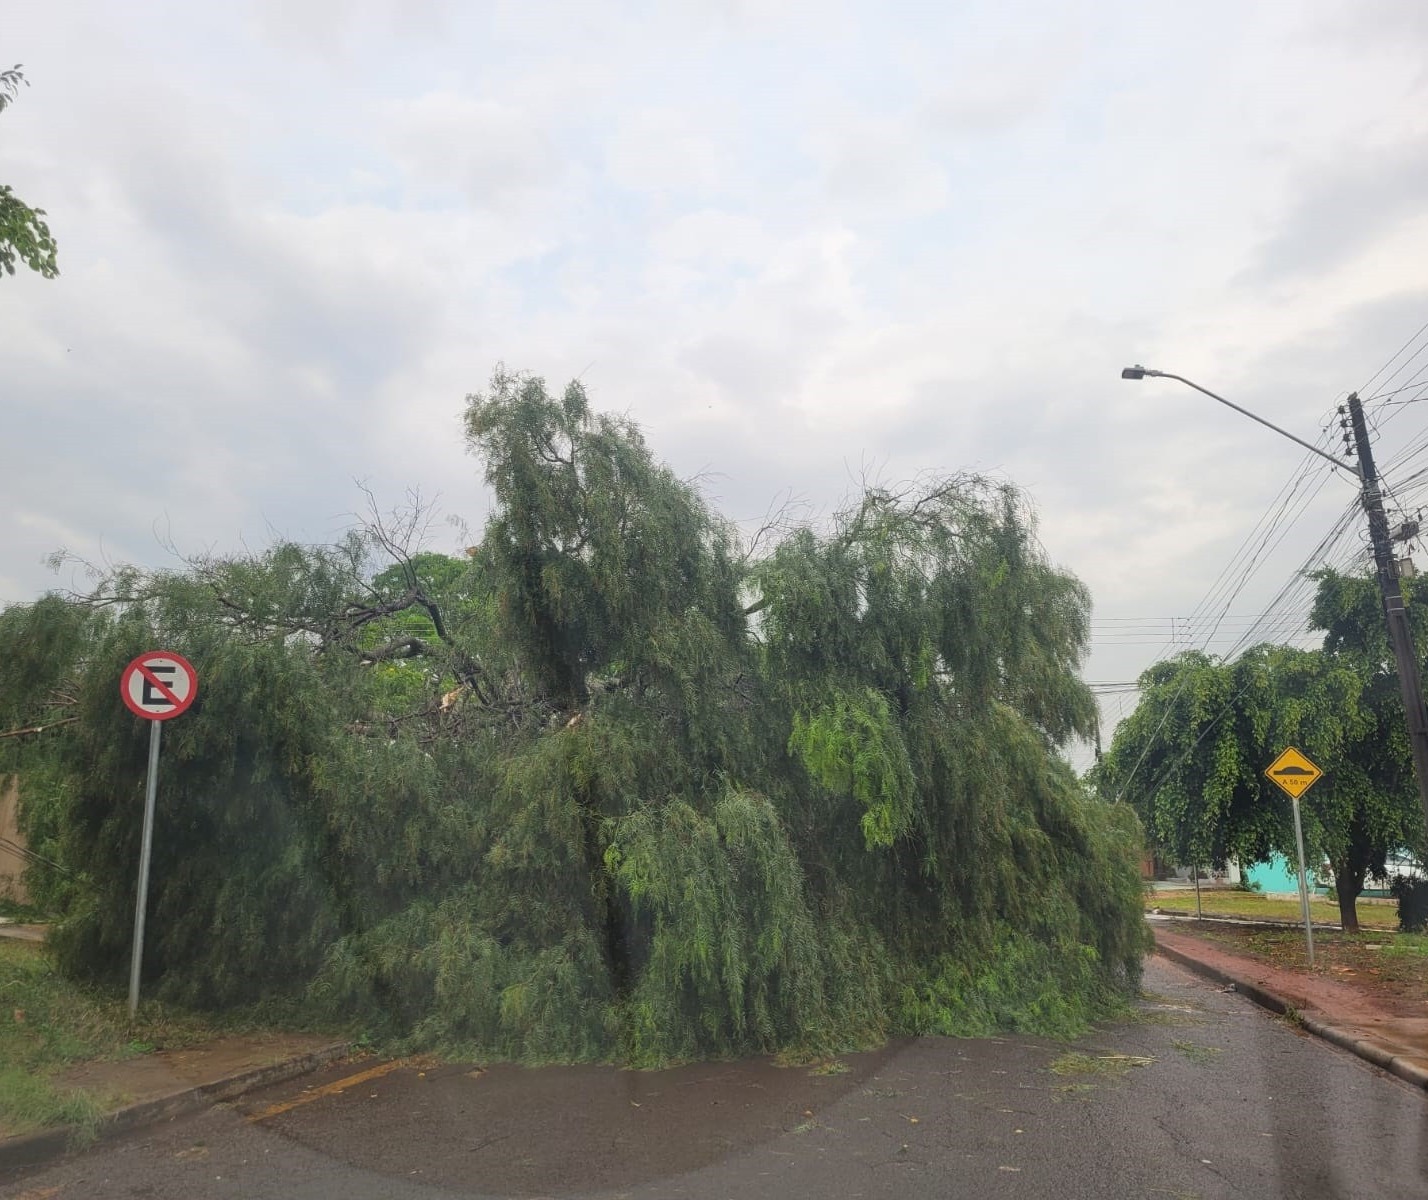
<point x="329" y="1089"/>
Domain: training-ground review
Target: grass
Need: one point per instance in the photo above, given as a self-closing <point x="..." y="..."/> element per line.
<point x="1220" y="902"/>
<point x="30" y="1102"/>
<point x="49" y="1023"/>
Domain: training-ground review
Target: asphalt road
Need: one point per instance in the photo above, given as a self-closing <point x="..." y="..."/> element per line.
<point x="1199" y="1095"/>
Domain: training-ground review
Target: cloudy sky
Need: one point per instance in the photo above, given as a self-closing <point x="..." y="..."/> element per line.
<point x="796" y="241"/>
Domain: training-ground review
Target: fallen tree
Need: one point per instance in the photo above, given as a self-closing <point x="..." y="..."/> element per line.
<point x="611" y="785"/>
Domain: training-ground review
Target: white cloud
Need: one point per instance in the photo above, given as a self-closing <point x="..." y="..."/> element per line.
<point x="500" y="156"/>
<point x="878" y="169"/>
<point x="658" y="150"/>
<point x="793" y="240"/>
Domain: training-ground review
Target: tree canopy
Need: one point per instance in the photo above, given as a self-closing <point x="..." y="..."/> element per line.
<point x="1191" y="758"/>
<point x="610" y="785"/>
<point x="23" y="232"/>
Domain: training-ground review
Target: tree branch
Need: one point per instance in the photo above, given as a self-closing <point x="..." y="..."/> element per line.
<point x="407" y="647"/>
<point x="33" y="729"/>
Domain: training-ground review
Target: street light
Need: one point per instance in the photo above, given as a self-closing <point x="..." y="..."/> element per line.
<point x="1400" y="636"/>
<point x="1139" y="372"/>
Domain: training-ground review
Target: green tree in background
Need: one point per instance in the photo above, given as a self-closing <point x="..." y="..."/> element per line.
<point x="611" y="785"/>
<point x="1191" y="758"/>
<point x="23" y="232"/>
<point x="1374" y="809"/>
<point x="1185" y="759"/>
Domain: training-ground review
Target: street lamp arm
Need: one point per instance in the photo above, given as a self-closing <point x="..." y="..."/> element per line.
<point x="1141" y="372"/>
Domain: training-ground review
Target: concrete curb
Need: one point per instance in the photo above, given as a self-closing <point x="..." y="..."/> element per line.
<point x="1367" y="1049"/>
<point x="1257" y="922"/>
<point x="29" y="1149"/>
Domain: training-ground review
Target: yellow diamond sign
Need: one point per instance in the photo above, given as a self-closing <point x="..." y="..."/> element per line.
<point x="1293" y="772"/>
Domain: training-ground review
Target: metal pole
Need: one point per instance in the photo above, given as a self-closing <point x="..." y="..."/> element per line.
<point x="1343" y="466"/>
<point x="1303" y="883"/>
<point x="150" y="791"/>
<point x="1195" y="871"/>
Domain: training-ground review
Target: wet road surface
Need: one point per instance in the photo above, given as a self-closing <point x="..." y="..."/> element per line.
<point x="1198" y="1095"/>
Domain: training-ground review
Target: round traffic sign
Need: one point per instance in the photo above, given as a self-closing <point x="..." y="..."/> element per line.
<point x="159" y="684"/>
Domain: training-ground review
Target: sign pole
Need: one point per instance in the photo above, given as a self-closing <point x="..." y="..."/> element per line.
<point x="1294" y="774"/>
<point x="1303" y="882"/>
<point x="157" y="685"/>
<point x="151" y="788"/>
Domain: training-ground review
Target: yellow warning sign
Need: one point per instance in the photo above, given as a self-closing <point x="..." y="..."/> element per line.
<point x="1293" y="772"/>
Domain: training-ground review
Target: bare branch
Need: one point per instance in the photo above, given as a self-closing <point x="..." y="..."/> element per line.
<point x="785" y="513"/>
<point x="408" y="647"/>
<point x="34" y="729"/>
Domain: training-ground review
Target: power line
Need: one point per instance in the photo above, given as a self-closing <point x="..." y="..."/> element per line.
<point x="1299" y="582"/>
<point x="1371" y="379"/>
<point x="26" y="853"/>
<point x="1251" y="551"/>
<point x="1255" y="557"/>
<point x="1282" y="515"/>
<point x="1326" y="544"/>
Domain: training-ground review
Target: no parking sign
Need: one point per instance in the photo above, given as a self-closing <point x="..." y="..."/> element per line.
<point x="157" y="685"/>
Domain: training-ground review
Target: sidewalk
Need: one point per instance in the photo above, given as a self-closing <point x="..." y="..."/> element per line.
<point x="163" y="1084"/>
<point x="1334" y="1011"/>
<point x="172" y="1083"/>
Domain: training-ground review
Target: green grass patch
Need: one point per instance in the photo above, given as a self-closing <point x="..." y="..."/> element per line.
<point x="1373" y="914"/>
<point x="1409" y="946"/>
<point x="48" y="1023"/>
<point x="29" y="1102"/>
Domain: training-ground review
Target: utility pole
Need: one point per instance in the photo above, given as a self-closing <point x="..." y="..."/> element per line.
<point x="1400" y="636"/>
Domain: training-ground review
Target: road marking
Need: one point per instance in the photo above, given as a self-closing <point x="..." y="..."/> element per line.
<point x="329" y="1089"/>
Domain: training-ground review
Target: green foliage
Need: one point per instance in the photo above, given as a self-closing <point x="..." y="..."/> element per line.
<point x="23" y="232"/>
<point x="852" y="745"/>
<point x="704" y="888"/>
<point x="601" y="557"/>
<point x="29" y="1102"/>
<point x="1191" y="758"/>
<point x="24" y="235"/>
<point x="563" y="800"/>
<point x="1412" y="897"/>
<point x="10" y="83"/>
<point x="49" y="1023"/>
<point x="1021" y="984"/>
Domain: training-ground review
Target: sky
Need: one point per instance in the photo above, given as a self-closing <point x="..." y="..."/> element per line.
<point x="799" y="243"/>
